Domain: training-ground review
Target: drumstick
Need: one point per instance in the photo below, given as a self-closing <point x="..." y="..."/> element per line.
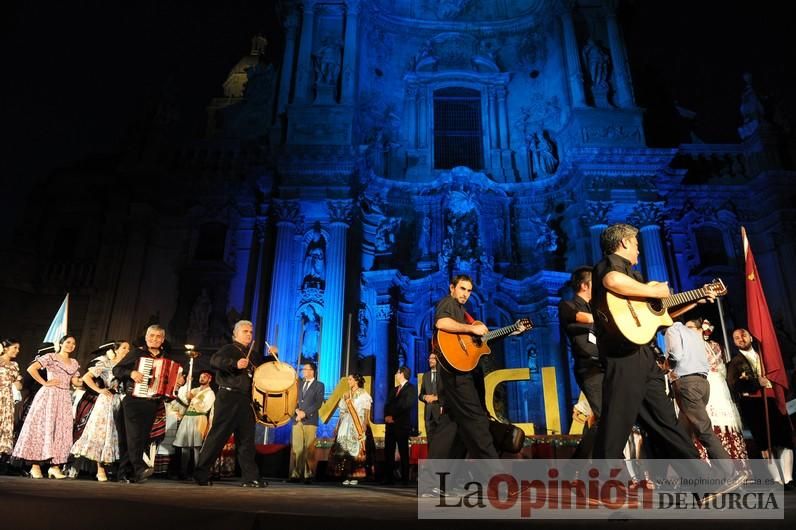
<point x="268" y="348"/>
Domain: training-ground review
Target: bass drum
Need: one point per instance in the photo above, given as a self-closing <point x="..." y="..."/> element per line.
<point x="274" y="393"/>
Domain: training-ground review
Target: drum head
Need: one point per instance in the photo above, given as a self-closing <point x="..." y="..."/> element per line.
<point x="274" y="377"/>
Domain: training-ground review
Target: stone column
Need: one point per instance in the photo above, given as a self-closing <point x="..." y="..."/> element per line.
<point x="257" y="287"/>
<point x="281" y="312"/>
<point x="422" y="117"/>
<point x="304" y="66"/>
<point x="410" y="116"/>
<point x="596" y="251"/>
<point x="350" y="51"/>
<point x="652" y="254"/>
<point x="334" y="294"/>
<point x="622" y="84"/>
<point x="503" y="117"/>
<point x="492" y="117"/>
<point x="647" y="216"/>
<point x="381" y="352"/>
<point x="573" y="60"/>
<point x="596" y="219"/>
<point x="291" y="23"/>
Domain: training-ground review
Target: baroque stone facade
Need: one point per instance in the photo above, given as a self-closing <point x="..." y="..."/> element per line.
<point x="398" y="143"/>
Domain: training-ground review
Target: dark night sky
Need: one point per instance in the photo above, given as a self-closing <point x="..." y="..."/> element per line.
<point x="81" y="75"/>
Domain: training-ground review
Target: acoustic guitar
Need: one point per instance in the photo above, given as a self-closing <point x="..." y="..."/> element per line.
<point x="638" y="319"/>
<point x="462" y="351"/>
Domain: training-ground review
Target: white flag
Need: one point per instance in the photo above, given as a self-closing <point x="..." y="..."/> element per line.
<point x="58" y="327"/>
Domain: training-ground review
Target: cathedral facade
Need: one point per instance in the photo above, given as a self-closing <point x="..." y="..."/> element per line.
<point x="399" y="143"/>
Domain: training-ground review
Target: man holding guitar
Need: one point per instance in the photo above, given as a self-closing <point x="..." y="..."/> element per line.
<point x="633" y="385"/>
<point x="461" y="393"/>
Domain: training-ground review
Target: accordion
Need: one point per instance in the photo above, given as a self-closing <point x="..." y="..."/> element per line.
<point x="160" y="378"/>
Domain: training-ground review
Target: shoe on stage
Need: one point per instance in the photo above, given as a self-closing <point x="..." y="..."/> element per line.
<point x="55" y="472"/>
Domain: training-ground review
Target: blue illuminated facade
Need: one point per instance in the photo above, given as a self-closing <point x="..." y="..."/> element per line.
<point x="401" y="142"/>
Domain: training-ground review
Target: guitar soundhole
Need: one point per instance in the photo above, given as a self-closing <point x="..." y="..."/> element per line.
<point x="655" y="306"/>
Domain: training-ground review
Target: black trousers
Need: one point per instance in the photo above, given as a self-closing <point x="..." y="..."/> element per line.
<point x="634" y="390"/>
<point x="233" y="415"/>
<point x="463" y="402"/>
<point x="591" y="383"/>
<point x="395" y="435"/>
<point x="138" y="415"/>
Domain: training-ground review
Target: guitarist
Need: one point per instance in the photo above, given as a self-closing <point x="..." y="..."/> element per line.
<point x="633" y="385"/>
<point x="461" y="395"/>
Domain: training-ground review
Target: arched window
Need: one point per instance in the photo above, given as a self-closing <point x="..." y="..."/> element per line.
<point x="457" y="128"/>
<point x="212" y="242"/>
<point x="710" y="244"/>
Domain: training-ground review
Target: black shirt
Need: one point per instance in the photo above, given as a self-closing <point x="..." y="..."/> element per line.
<point x="228" y="375"/>
<point x="451" y="308"/>
<point x="583" y="350"/>
<point x="610" y="341"/>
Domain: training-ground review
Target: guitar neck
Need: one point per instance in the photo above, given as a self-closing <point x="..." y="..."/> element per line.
<point x="501" y="332"/>
<point x="684" y="298"/>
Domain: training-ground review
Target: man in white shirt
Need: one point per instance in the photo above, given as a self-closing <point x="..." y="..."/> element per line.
<point x="196" y="421"/>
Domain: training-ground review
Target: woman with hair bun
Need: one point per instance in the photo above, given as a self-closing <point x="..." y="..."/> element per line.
<point x="99" y="441"/>
<point x="46" y="435"/>
<point x="9" y="380"/>
<point x="348" y="454"/>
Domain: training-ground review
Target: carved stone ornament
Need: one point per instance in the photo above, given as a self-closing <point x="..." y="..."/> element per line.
<point x="340" y="211"/>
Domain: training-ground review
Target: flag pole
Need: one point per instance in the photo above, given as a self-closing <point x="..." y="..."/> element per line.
<point x="724" y="335"/>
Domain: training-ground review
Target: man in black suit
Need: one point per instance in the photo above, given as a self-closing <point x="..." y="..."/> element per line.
<point x="305" y="426"/>
<point x="428" y="395"/>
<point x="398" y="419"/>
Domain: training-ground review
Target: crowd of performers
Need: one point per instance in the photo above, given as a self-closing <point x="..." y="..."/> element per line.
<point x="681" y="403"/>
<point x="72" y="422"/>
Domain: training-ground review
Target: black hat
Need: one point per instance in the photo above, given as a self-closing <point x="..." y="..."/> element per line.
<point x="45" y="348"/>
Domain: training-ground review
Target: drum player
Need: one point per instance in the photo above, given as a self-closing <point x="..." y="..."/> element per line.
<point x="233" y="409"/>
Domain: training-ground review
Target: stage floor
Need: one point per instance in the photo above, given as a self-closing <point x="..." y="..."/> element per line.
<point x="85" y="504"/>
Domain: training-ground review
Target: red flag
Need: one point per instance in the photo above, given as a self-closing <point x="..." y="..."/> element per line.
<point x="761" y="327"/>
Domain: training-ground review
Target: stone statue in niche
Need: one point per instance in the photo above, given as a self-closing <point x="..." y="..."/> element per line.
<point x="315" y="261"/>
<point x="752" y="110"/>
<point x="426" y="50"/>
<point x="386" y="234"/>
<point x="311" y="333"/>
<point x="444" y="257"/>
<point x="462" y="225"/>
<point x="363" y="323"/>
<point x="598" y="63"/>
<point x="424" y="242"/>
<point x="543" y="158"/>
<point x="533" y="358"/>
<point x="328" y="61"/>
<point x="199" y="320"/>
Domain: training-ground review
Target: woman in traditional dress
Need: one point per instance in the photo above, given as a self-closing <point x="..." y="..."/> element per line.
<point x="348" y="455"/>
<point x="9" y="380"/>
<point x="100" y="439"/>
<point x="46" y="436"/>
<point x="721" y="408"/>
